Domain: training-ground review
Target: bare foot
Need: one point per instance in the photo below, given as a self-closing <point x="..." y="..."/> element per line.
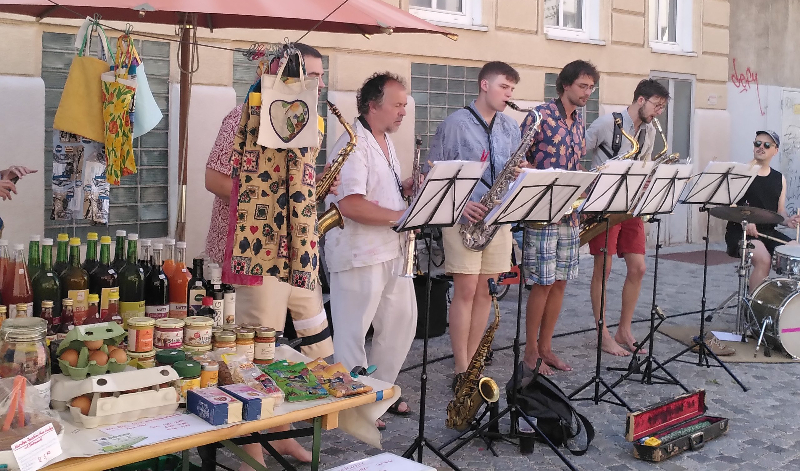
<point x="543" y="368"/>
<point x="551" y="359"/>
<point x="628" y="342"/>
<point x="380" y="424"/>
<point x="612" y="347"/>
<point x="293" y="448"/>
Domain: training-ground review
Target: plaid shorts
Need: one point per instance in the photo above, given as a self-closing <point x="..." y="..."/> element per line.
<point x="551" y="253"/>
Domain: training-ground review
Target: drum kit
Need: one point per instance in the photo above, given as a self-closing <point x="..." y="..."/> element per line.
<point x="771" y="313"/>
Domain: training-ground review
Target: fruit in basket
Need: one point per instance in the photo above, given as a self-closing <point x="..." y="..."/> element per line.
<point x="99" y="357"/>
<point x="70" y="356"/>
<point x="84" y="403"/>
<point x="93" y="344"/>
<point x="118" y="354"/>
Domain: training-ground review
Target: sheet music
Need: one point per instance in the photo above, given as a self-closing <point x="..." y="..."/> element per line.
<point x="443" y="194"/>
<point x="616" y="186"/>
<point x="666" y="186"/>
<point x="540" y="196"/>
<point x="720" y="183"/>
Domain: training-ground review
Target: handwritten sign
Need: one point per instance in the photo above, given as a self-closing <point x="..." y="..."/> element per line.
<point x="384" y="462"/>
<point x="37" y="449"/>
<point x="158" y="429"/>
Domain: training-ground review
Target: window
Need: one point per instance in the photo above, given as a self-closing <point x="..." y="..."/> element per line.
<point x="576" y="20"/>
<point x="589" y="113"/>
<point x="140" y="203"/>
<point x="453" y="13"/>
<point x="676" y="120"/>
<point x="671" y="26"/>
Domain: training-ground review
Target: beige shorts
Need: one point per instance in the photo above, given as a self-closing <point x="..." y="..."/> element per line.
<point x="266" y="305"/>
<point x="494" y="259"/>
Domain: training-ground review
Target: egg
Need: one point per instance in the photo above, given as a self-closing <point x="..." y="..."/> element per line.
<point x="110" y="348"/>
<point x="119" y="355"/>
<point x="84" y="403"/>
<point x="93" y="344"/>
<point x="70" y="356"/>
<point x="99" y="356"/>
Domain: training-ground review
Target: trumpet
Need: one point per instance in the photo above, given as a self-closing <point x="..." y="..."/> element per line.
<point x="410" y="261"/>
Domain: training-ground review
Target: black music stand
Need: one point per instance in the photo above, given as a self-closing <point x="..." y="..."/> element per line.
<point x="660" y="197"/>
<point x="613" y="192"/>
<point x="535" y="196"/>
<point x="441" y="200"/>
<point x="721" y="183"/>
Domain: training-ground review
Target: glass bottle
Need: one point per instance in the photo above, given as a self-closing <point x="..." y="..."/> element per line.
<point x="67" y="319"/>
<point x="229" y="304"/>
<point x="3" y="314"/>
<point x="93" y="311"/>
<point x="46" y="286"/>
<point x="34" y="256"/>
<point x="217" y="293"/>
<point x="206" y="309"/>
<point x="103" y="280"/>
<point x="156" y="289"/>
<point x="131" y="284"/>
<point x="90" y="263"/>
<point x="119" y="252"/>
<point x="53" y="322"/>
<point x="112" y="313"/>
<point x="168" y="255"/>
<point x="145" y="256"/>
<point x="75" y="282"/>
<point x="17" y="284"/>
<point x="62" y="245"/>
<point x="198" y="287"/>
<point x="5" y="267"/>
<point x="179" y="284"/>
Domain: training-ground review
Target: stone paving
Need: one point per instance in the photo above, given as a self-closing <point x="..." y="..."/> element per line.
<point x="764" y="422"/>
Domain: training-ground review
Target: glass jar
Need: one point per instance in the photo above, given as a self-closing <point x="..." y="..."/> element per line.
<point x="168" y="333"/>
<point x="225" y="341"/>
<point x="195" y="352"/>
<point x="230" y="327"/>
<point x="265" y="346"/>
<point x="189" y="372"/>
<point x="198" y="331"/>
<point x="245" y="343"/>
<point x="140" y="334"/>
<point x="209" y="374"/>
<point x="142" y="360"/>
<point x="3" y="314"/>
<point x="23" y="352"/>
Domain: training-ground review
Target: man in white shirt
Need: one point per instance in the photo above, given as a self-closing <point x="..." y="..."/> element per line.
<point x="365" y="258"/>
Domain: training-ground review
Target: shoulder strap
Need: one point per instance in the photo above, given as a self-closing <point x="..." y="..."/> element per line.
<point x="616" y="140"/>
<point x="641" y="139"/>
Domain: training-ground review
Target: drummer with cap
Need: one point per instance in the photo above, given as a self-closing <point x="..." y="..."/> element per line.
<point x="768" y="191"/>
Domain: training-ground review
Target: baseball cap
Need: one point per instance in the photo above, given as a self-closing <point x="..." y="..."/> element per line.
<point x="771" y="134"/>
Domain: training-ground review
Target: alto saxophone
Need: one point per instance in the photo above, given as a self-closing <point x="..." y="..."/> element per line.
<point x="472" y="389"/>
<point x="409" y="264"/>
<point x="332" y="217"/>
<point x="477" y="235"/>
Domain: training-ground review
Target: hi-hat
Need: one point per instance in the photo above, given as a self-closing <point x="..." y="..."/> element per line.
<point x="746" y="213"/>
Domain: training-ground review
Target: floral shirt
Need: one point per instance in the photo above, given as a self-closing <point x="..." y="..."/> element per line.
<point x="556" y="144"/>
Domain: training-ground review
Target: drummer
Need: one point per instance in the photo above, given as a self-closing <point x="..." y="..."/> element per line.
<point x="768" y="191"/>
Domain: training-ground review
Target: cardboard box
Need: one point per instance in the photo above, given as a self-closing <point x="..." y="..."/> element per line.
<point x="257" y="404"/>
<point x="214" y="405"/>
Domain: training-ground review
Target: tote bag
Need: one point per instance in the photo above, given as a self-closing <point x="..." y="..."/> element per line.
<point x="118" y="99"/>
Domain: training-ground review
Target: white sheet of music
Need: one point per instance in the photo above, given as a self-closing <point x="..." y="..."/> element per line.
<point x="661" y="195"/>
<point x="720" y="183"/>
<point x="616" y="186"/>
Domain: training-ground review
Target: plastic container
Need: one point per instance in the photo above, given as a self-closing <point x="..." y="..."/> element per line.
<point x="168" y="333"/>
<point x="264" y="353"/>
<point x="245" y="343"/>
<point x="140" y="334"/>
<point x="197" y="332"/>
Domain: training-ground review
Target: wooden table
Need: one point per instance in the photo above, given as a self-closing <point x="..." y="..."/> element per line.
<point x="324" y="417"/>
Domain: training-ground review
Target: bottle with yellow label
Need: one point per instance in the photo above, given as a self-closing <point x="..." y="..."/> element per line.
<point x="131" y="284"/>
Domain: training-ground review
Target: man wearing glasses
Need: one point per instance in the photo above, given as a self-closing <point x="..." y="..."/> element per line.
<point x="627" y="239"/>
<point x="768" y="191"/>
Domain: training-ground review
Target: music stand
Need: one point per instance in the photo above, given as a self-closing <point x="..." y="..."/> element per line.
<point x="614" y="192"/>
<point x="721" y="183"/>
<point x="660" y="197"/>
<point x="440" y="201"/>
<point x="535" y="196"/>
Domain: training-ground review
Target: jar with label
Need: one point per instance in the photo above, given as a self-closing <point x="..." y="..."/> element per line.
<point x="245" y="343"/>
<point x="67" y="319"/>
<point x="209" y="374"/>
<point x="23" y="352"/>
<point x="264" y="346"/>
<point x="230" y="327"/>
<point x="140" y="334"/>
<point x="113" y="308"/>
<point x="169" y="357"/>
<point x="168" y="333"/>
<point x="198" y="331"/>
<point x="3" y="314"/>
<point x="93" y="311"/>
<point x="189" y="372"/>
<point x="196" y="352"/>
<point x="225" y="342"/>
<point x="142" y="360"/>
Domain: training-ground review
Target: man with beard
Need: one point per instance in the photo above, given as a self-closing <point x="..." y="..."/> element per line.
<point x="626" y="240"/>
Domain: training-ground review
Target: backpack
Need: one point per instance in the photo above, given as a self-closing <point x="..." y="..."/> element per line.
<point x="616" y="140"/>
<point x="540" y="398"/>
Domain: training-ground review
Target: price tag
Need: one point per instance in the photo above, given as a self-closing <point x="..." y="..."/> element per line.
<point x="37" y="449"/>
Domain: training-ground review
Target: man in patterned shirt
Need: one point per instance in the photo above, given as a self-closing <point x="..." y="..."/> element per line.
<point x="551" y="253"/>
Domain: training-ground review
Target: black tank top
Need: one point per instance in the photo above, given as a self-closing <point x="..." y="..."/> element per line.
<point x="763" y="193"/>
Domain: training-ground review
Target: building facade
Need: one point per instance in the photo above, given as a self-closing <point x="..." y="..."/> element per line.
<point x="683" y="43"/>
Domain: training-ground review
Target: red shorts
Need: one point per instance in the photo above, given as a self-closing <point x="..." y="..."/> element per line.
<point x="625" y="237"/>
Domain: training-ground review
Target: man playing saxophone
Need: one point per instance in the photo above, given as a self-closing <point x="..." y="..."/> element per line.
<point x="482" y="132"/>
<point x="626" y="239"/>
<point x="551" y="252"/>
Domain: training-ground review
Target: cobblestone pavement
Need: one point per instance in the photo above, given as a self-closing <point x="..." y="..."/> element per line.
<point x="764" y="431"/>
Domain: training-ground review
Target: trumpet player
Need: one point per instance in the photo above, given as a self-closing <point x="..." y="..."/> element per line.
<point x="482" y="132"/>
<point x="627" y="239"/>
<point x="366" y="257"/>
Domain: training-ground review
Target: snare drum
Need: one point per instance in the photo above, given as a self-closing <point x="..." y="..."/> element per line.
<point x="786" y="261"/>
<point x="780" y="300"/>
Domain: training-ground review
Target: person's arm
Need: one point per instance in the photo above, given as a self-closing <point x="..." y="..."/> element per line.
<point x="363" y="211"/>
<point x="790" y="220"/>
<point x="219" y="183"/>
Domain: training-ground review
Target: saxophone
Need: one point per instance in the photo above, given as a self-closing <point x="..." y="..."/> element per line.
<point x="332" y="217"/>
<point x="472" y="389"/>
<point x="411" y="237"/>
<point x="477" y="235"/>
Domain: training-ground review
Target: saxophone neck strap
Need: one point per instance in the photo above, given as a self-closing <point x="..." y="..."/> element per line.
<point x="488" y="128"/>
<point x="616" y="139"/>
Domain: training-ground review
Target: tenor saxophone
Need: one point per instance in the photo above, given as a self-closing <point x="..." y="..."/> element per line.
<point x="332" y="217"/>
<point x="409" y="263"/>
<point x="477" y="235"/>
<point x="472" y="390"/>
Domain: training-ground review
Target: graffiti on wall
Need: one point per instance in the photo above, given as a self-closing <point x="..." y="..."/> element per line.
<point x="745" y="81"/>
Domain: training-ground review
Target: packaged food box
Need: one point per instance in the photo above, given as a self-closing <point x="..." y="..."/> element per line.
<point x="257" y="404"/>
<point x="214" y="405"/>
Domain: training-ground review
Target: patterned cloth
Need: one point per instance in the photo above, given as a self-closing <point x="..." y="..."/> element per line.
<point x="117" y="105"/>
<point x="551" y="254"/>
<point x="80" y="189"/>
<point x="272" y="228"/>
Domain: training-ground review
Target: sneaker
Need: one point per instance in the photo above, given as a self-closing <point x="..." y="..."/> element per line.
<point x="717" y="348"/>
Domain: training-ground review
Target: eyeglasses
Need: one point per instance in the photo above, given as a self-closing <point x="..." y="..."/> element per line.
<point x="584" y="87"/>
<point x="766" y="145"/>
<point x="657" y="106"/>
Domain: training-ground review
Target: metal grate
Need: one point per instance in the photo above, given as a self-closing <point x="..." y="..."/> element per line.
<point x="140" y="204"/>
<point x="590" y="112"/>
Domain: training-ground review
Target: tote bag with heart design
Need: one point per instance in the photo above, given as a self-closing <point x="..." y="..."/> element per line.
<point x="288" y="110"/>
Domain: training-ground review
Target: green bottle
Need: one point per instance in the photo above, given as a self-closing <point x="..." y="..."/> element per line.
<point x="61" y="254"/>
<point x="90" y="263"/>
<point x="75" y="283"/>
<point x="46" y="286"/>
<point x="131" y="284"/>
<point x="103" y="280"/>
<point x="34" y="260"/>
<point x="119" y="252"/>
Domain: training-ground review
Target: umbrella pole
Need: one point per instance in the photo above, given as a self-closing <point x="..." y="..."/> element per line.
<point x="183" y="128"/>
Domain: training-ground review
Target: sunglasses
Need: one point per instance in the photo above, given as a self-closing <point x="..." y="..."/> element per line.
<point x="766" y="145"/>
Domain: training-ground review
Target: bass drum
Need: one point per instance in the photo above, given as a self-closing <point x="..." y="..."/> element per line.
<point x="778" y="299"/>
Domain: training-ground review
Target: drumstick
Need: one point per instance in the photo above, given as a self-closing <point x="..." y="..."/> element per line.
<point x="772" y="238"/>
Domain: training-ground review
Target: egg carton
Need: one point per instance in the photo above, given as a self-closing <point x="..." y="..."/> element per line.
<point x="127" y="407"/>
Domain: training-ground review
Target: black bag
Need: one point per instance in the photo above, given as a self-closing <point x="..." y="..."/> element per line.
<point x="540" y="398"/>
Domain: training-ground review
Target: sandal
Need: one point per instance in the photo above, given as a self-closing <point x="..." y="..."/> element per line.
<point x="395" y="408"/>
<point x="380" y="427"/>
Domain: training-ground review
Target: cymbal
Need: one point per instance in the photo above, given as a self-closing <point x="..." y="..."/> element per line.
<point x="750" y="214"/>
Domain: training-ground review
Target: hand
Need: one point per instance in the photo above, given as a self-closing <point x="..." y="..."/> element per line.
<point x="6" y="188"/>
<point x="16" y="171"/>
<point x="475" y="211"/>
<point x="518" y="170"/>
<point x="752" y="231"/>
<point x="408" y="185"/>
<point x="336" y="181"/>
<point x="793" y="221"/>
